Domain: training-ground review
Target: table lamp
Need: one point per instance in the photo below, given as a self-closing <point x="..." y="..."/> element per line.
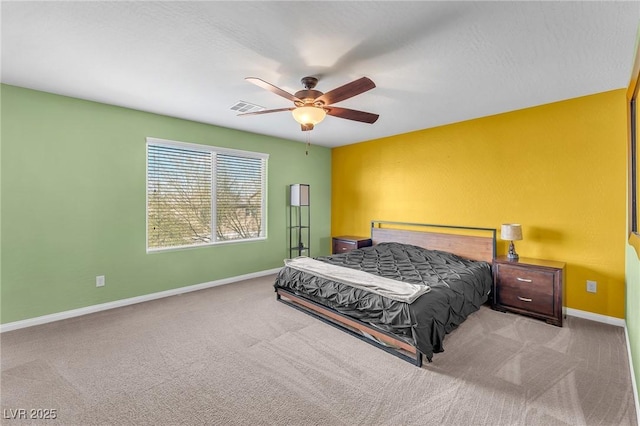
<point x="511" y="232"/>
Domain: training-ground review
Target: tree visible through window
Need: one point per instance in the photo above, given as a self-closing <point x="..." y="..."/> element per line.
<point x="194" y="189"/>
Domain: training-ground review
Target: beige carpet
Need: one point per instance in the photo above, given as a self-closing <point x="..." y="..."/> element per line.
<point x="233" y="355"/>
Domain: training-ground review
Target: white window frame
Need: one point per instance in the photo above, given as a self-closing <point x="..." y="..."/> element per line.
<point x="214" y="150"/>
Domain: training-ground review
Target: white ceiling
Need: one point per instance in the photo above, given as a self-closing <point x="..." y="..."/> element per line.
<point x="433" y="62"/>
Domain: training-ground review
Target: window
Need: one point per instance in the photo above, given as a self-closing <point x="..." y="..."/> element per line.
<point x="194" y="189"/>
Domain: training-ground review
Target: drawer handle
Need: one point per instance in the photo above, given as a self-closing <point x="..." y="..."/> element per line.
<point x="524" y="280"/>
<point x="343" y="248"/>
<point x="524" y="299"/>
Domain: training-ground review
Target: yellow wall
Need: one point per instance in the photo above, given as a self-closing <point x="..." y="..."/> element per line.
<point x="558" y="169"/>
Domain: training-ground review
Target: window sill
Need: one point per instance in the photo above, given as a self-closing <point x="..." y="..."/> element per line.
<point x="217" y="243"/>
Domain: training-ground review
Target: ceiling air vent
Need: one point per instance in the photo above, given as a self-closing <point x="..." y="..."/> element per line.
<point x="242" y="106"/>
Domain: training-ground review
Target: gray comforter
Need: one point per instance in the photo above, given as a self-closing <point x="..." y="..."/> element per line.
<point x="458" y="288"/>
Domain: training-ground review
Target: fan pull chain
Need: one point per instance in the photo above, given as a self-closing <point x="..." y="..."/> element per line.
<point x="308" y="142"/>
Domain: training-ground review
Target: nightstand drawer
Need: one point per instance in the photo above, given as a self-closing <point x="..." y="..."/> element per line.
<point x="526" y="289"/>
<point x="531" y="287"/>
<point x="347" y="243"/>
<point x="537" y="280"/>
<point x="342" y="246"/>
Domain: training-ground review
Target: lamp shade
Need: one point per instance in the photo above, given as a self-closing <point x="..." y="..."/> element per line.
<point x="511" y="232"/>
<point x="308" y="114"/>
<point x="299" y="194"/>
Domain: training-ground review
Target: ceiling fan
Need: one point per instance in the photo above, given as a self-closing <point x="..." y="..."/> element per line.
<point x="311" y="106"/>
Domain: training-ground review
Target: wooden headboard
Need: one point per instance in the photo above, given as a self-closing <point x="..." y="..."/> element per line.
<point x="467" y="242"/>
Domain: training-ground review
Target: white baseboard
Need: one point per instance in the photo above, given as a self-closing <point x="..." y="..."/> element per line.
<point x="595" y="317"/>
<point x="30" y="322"/>
<point x="634" y="384"/>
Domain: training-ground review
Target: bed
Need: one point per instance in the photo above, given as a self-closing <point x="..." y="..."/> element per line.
<point x="445" y="273"/>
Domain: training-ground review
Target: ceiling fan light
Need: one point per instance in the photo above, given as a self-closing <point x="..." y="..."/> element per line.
<point x="308" y="114"/>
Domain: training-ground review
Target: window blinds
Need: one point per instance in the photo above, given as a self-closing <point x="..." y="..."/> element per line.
<point x="192" y="189"/>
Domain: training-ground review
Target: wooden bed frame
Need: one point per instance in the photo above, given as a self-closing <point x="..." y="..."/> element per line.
<point x="471" y="243"/>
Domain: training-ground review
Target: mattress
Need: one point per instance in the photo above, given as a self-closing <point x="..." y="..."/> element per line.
<point x="458" y="287"/>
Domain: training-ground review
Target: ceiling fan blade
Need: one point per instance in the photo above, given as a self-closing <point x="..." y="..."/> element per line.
<point x="347" y="91"/>
<point x="352" y="114"/>
<point x="273" y="89"/>
<point x="267" y="111"/>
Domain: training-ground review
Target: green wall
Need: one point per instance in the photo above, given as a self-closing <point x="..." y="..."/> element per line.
<point x="73" y="204"/>
<point x="632" y="309"/>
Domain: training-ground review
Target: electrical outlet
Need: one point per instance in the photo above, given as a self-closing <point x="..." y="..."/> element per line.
<point x="100" y="281"/>
<point x="592" y="286"/>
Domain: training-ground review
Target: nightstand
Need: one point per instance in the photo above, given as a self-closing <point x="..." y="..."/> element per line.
<point x="346" y="243"/>
<point x="532" y="287"/>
